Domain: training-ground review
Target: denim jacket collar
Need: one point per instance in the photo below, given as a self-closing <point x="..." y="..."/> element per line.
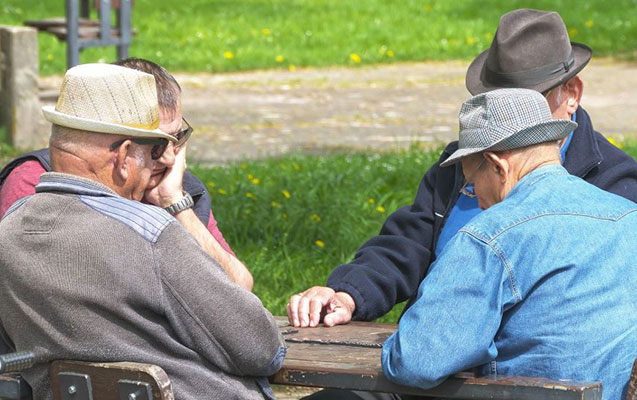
<point x="536" y="175"/>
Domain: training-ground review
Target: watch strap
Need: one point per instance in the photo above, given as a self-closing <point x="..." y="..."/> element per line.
<point x="185" y="203"/>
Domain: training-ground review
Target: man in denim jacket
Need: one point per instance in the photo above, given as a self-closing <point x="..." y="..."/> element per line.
<point x="547" y="278"/>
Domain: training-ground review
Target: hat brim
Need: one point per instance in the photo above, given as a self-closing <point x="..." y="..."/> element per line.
<point x="548" y="131"/>
<point x="476" y="83"/>
<point x="84" y="124"/>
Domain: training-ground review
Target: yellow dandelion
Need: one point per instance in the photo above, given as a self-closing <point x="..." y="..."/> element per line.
<point x="371" y="201"/>
<point x="291" y="68"/>
<point x="222" y="192"/>
<point x="355" y="58"/>
<point x="250" y="177"/>
<point x="255" y="181"/>
<point x="275" y="204"/>
<point x="211" y="184"/>
<point x="286" y="194"/>
<point x="265" y="31"/>
<point x="320" y="243"/>
<point x="284" y="216"/>
<point x="250" y="195"/>
<point x="296" y="167"/>
<point x="471" y="40"/>
<point x="572" y="32"/>
<point x="614" y="142"/>
<point x="589" y="24"/>
<point x="427" y="7"/>
<point x="244" y="166"/>
<point x="279" y="58"/>
<point x="380" y="209"/>
<point x="389" y="53"/>
<point x="49" y="57"/>
<point x="314" y="217"/>
<point x="228" y="55"/>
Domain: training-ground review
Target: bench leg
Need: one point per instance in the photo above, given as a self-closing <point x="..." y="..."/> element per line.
<point x="72" y="40"/>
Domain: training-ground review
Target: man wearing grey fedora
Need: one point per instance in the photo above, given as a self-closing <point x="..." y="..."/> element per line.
<point x="519" y="290"/>
<point x="91" y="273"/>
<point x="530" y="49"/>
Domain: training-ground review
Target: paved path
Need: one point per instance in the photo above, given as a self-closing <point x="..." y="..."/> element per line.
<point x="264" y="113"/>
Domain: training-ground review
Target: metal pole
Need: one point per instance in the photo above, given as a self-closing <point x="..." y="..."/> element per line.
<point x="124" y="25"/>
<point x="105" y="21"/>
<point x="72" y="40"/>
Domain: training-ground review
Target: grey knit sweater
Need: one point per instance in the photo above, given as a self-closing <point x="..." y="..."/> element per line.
<point x="88" y="275"/>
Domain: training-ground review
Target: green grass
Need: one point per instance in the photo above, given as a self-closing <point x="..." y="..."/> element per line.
<point x="230" y="35"/>
<point x="292" y="220"/>
<point x="340" y="200"/>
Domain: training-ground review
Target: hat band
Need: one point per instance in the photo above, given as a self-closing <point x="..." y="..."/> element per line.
<point x="528" y="77"/>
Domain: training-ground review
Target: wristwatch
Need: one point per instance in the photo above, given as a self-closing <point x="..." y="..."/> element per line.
<point x="185" y="203"/>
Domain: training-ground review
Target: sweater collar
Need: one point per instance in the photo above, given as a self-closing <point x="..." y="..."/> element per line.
<point x="66" y="183"/>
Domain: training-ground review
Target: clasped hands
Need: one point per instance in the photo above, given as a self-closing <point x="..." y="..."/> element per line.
<point x="319" y="303"/>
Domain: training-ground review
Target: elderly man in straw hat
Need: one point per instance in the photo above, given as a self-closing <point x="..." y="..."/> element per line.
<point x="531" y="49"/>
<point x="169" y="182"/>
<point x="535" y="296"/>
<point x="90" y="273"/>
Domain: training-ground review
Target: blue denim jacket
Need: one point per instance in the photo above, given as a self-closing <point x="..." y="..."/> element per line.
<point x="540" y="284"/>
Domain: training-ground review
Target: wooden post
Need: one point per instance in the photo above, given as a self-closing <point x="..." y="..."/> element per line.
<point x="19" y="103"/>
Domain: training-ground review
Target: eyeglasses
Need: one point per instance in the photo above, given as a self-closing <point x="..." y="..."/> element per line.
<point x="159" y="145"/>
<point x="466" y="191"/>
<point x="183" y="135"/>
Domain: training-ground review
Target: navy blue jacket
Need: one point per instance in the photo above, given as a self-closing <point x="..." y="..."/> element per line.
<point x="191" y="183"/>
<point x="389" y="267"/>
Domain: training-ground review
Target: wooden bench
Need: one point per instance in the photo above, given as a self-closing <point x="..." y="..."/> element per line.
<point x="348" y="357"/>
<point x="79" y="31"/>
<point x="76" y="380"/>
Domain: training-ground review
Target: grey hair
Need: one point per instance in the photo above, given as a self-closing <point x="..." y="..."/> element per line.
<point x="555" y="96"/>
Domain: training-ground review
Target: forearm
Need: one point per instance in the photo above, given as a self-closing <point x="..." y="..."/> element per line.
<point x="235" y="269"/>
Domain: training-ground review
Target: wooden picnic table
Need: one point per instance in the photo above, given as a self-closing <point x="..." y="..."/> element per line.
<point x="348" y="357"/>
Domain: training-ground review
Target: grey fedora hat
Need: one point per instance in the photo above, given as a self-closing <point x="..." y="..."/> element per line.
<point x="506" y="119"/>
<point x="531" y="49"/>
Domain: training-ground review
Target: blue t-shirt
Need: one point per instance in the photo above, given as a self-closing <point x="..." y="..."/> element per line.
<point x="467" y="207"/>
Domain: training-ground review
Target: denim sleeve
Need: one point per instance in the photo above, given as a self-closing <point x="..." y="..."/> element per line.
<point x="452" y="325"/>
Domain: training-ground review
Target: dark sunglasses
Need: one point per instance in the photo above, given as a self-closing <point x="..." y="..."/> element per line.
<point x="183" y="135"/>
<point x="159" y="145"/>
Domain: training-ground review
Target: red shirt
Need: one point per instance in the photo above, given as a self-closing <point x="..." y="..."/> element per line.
<point x="22" y="180"/>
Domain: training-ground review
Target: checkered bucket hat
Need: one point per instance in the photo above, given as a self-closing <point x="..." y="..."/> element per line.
<point x="506" y="119"/>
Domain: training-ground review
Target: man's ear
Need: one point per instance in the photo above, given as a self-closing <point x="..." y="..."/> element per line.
<point x="574" y="88"/>
<point x="122" y="166"/>
<point x="500" y="164"/>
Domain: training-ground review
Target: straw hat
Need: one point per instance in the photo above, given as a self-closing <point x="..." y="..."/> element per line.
<point x="106" y="98"/>
<point x="530" y="50"/>
<point x="506" y="119"/>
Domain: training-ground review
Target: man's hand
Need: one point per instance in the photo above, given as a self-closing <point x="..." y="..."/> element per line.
<point x="308" y="308"/>
<point x="170" y="188"/>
